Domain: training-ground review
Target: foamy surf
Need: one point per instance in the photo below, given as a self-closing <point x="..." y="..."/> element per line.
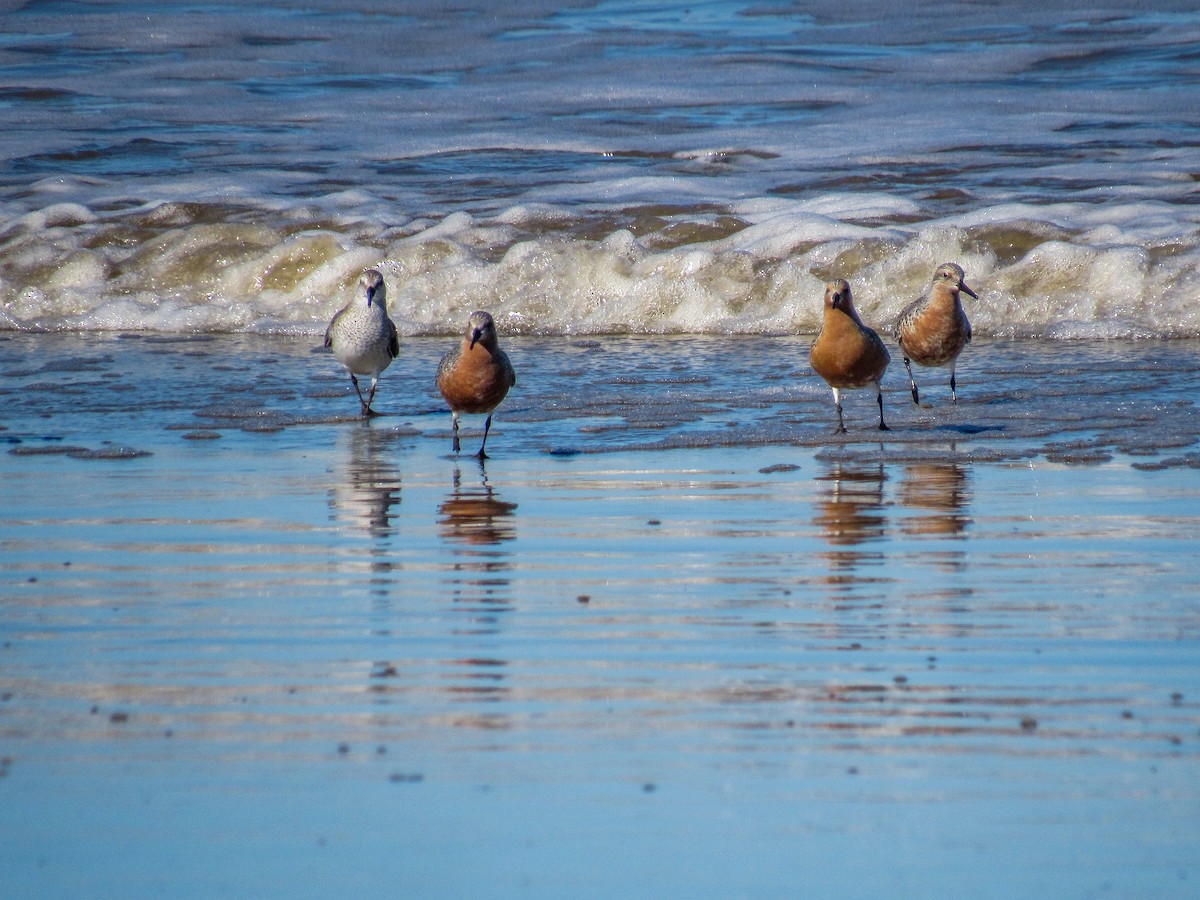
<point x="686" y="169"/>
<point x="755" y="266"/>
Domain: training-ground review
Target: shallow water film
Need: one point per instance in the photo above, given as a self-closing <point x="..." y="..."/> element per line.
<point x="674" y="639"/>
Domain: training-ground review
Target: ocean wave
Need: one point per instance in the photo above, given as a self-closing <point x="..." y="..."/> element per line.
<point x="752" y="266"/>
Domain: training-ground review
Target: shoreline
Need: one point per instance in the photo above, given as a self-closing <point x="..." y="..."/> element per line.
<point x="1069" y="402"/>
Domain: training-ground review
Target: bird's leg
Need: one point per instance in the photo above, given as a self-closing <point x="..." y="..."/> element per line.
<point x="912" y="381"/>
<point x="879" y="399"/>
<point x="371" y="398"/>
<point x="487" y="426"/>
<point x="366" y="405"/>
<point x="454" y="443"/>
<point x="953" y="395"/>
<point x="837" y="401"/>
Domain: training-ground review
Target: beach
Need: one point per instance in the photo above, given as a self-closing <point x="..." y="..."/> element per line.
<point x="675" y="638"/>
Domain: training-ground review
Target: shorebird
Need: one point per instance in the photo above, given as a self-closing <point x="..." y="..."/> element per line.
<point x="846" y="353"/>
<point x="476" y="375"/>
<point x="933" y="330"/>
<point x="362" y="336"/>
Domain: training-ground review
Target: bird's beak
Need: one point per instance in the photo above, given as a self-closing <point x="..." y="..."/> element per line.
<point x="962" y="286"/>
<point x="370" y="296"/>
<point x="475" y="336"/>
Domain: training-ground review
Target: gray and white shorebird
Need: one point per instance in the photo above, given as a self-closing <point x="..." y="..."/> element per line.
<point x="362" y="337"/>
<point x="933" y="330"/>
<point x="476" y="375"/>
<point x="846" y="353"/>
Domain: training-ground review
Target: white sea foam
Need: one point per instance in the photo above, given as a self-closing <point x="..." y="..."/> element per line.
<point x="537" y="268"/>
<point x="587" y="166"/>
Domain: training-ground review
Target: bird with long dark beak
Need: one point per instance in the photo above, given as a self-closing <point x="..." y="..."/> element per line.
<point x="362" y="337"/>
<point x="476" y="375"/>
<point x="846" y="353"/>
<point x="933" y="330"/>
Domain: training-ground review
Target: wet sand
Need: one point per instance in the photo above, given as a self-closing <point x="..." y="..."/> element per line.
<point x="675" y="640"/>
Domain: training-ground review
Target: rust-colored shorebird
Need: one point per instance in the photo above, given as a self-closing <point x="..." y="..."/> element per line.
<point x="362" y="337"/>
<point x="846" y="353"/>
<point x="933" y="330"/>
<point x="476" y="375"/>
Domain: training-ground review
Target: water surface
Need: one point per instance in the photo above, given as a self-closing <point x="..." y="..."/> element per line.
<point x="254" y="644"/>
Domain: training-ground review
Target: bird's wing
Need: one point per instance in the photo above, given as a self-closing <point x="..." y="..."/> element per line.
<point x="908" y="314"/>
<point x="329" y="330"/>
<point x="448" y="362"/>
<point x="393" y="340"/>
<point x="509" y="372"/>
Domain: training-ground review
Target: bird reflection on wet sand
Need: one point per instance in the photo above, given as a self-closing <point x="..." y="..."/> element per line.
<point x="476" y="524"/>
<point x="936" y="496"/>
<point x="474" y="515"/>
<point x="849" y="511"/>
<point x="366" y="489"/>
<point x="850" y="506"/>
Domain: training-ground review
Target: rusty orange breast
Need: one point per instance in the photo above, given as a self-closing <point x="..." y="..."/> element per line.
<point x="477" y="380"/>
<point x="937" y="334"/>
<point x="847" y="354"/>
